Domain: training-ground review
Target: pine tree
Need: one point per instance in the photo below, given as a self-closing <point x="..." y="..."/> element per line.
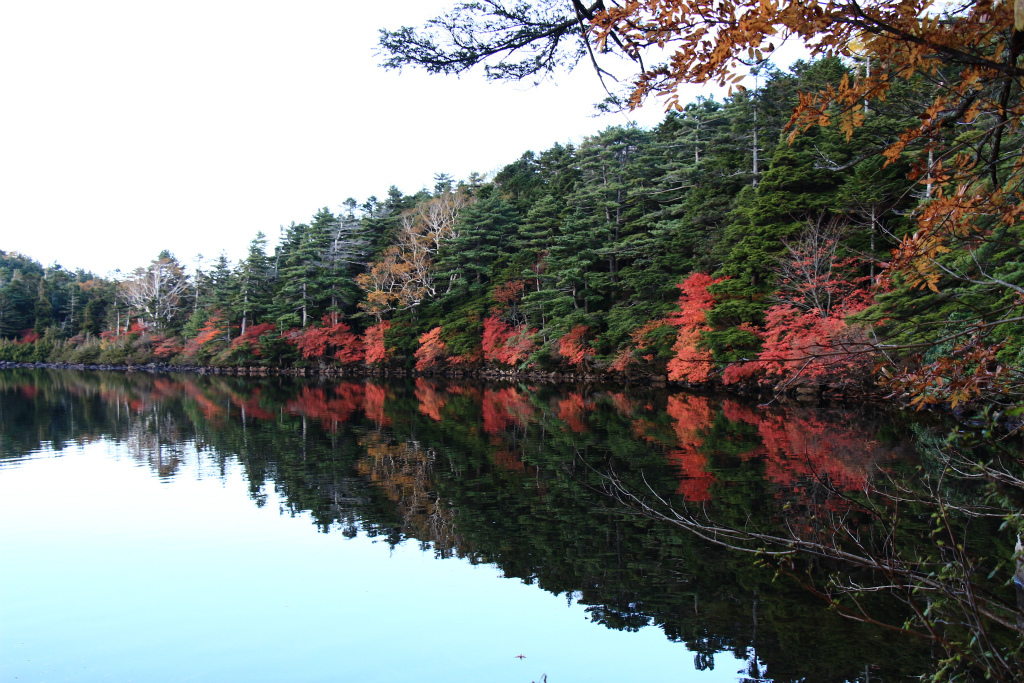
<point x="482" y="238"/>
<point x="252" y="294"/>
<point x="300" y="296"/>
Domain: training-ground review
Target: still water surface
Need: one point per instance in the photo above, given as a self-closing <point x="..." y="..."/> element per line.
<point x="187" y="528"/>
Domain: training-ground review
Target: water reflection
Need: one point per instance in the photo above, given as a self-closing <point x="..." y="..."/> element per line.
<point x="511" y="475"/>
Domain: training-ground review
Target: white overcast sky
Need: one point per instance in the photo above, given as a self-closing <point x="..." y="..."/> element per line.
<point x="131" y="127"/>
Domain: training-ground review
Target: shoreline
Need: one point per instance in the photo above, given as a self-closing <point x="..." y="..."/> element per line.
<point x="799" y="393"/>
<point x="817" y="396"/>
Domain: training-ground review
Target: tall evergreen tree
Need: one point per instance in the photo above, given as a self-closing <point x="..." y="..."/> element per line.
<point x="252" y="293"/>
<point x="299" y="297"/>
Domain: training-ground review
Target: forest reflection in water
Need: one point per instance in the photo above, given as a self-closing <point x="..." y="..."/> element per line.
<point x="514" y="475"/>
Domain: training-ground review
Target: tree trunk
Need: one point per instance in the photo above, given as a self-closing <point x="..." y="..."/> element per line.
<point x="245" y="311"/>
<point x="303" y="305"/>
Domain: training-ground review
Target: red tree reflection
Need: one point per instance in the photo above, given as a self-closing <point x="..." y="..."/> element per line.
<point x="571" y="410"/>
<point x="503" y="408"/>
<point x="431" y="400"/>
<point x="373" y="404"/>
<point x="315" y="403"/>
<point x="690" y="415"/>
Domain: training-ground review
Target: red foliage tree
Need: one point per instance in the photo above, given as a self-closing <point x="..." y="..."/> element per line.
<point x="470" y="358"/>
<point x="165" y="347"/>
<point x="572" y="347"/>
<point x="691" y="363"/>
<point x="496" y="332"/>
<point x="519" y="346"/>
<point x="215" y="328"/>
<point x="503" y="343"/>
<point x="334" y="338"/>
<point x="373" y="343"/>
<point x="807" y="336"/>
<point x="639" y="347"/>
<point x="805" y="344"/>
<point x="250" y="341"/>
<point x="432" y="350"/>
<point x="312" y="342"/>
<point x="508" y="294"/>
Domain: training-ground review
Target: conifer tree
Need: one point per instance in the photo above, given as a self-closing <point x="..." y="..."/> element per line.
<point x="481" y="240"/>
<point x="299" y="297"/>
<point x="252" y="294"/>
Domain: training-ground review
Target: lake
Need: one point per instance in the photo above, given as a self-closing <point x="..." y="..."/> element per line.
<point x="159" y="527"/>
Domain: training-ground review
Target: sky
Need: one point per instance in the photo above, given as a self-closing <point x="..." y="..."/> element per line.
<point x="132" y="127"/>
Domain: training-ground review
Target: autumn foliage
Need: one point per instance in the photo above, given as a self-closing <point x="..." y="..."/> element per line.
<point x="573" y="348"/>
<point x="166" y="347"/>
<point x="503" y="343"/>
<point x="691" y="415"/>
<point x="251" y="340"/>
<point x="373" y="343"/>
<point x="215" y="328"/>
<point x="333" y="339"/>
<point x="431" y="399"/>
<point x="808" y="335"/>
<point x="691" y="363"/>
<point x="432" y="350"/>
<point x="504" y="408"/>
<point x="508" y="294"/>
<point x="405" y="274"/>
<point x="969" y="55"/>
<point x="806" y="344"/>
<point x="639" y="348"/>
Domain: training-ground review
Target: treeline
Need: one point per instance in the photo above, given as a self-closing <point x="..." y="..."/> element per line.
<point x="717" y="246"/>
<point x="35" y="300"/>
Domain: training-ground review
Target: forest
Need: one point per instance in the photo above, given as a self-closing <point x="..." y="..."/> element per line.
<point x="715" y="248"/>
